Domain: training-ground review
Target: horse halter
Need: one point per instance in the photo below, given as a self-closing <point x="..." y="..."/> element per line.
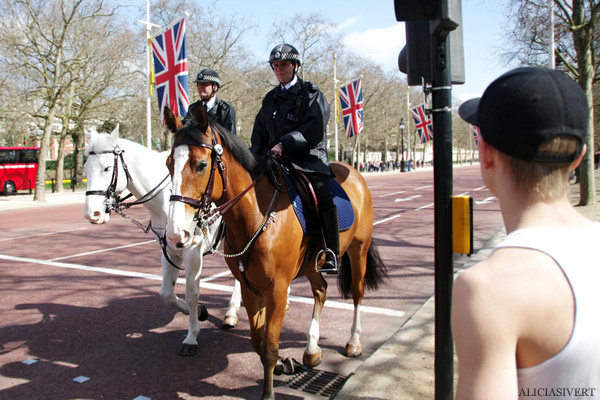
<point x="203" y="205"/>
<point x="111" y="197"/>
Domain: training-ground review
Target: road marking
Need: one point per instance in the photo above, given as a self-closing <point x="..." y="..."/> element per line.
<point x="102" y="251"/>
<point x="424" y="187"/>
<point x="486" y="201"/>
<point x="427" y="206"/>
<point x="408" y="198"/>
<point x="42" y="234"/>
<point x="386" y="220"/>
<point x="463" y="194"/>
<point x="203" y="284"/>
<point x="480" y="188"/>
<point x="391" y="194"/>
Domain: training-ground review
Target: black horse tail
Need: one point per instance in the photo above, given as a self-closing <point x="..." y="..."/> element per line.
<point x="374" y="275"/>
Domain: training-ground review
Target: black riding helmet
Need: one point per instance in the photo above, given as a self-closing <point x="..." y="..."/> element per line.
<point x="208" y="75"/>
<point x="284" y="52"/>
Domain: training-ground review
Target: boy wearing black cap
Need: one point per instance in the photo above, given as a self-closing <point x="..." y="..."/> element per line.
<point x="525" y="321"/>
<point x="208" y="83"/>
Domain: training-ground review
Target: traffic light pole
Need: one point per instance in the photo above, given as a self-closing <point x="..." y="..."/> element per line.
<point x="442" y="172"/>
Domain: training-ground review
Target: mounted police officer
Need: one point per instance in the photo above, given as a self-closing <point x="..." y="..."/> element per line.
<point x="292" y="124"/>
<point x="208" y="83"/>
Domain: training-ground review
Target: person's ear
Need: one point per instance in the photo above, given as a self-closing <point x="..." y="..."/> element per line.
<point x="579" y="158"/>
<point x="486" y="153"/>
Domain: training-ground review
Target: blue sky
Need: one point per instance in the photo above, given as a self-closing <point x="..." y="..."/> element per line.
<point x="372" y="31"/>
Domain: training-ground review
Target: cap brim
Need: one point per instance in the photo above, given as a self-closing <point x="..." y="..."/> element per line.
<point x="468" y="111"/>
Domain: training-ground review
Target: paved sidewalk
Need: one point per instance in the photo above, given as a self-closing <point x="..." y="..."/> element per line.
<point x="403" y="367"/>
<point x="24" y="200"/>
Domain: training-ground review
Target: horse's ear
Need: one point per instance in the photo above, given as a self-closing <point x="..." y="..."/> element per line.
<point x="201" y="118"/>
<point x="92" y="136"/>
<point x="172" y="122"/>
<point x="114" y="135"/>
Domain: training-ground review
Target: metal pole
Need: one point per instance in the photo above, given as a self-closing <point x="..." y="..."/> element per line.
<point x="408" y="126"/>
<point x="402" y="166"/>
<point x="442" y="174"/>
<point x="148" y="97"/>
<point x="335" y="94"/>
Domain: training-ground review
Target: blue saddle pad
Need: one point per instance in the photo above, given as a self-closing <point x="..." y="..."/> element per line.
<point x="306" y="217"/>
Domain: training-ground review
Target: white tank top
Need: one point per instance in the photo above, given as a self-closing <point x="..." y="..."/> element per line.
<point x="573" y="373"/>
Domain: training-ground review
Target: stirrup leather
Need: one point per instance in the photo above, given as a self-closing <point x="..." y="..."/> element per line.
<point x="327" y="250"/>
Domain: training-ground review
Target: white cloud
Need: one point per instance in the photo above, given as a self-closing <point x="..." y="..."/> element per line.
<point x="348" y="23"/>
<point x="380" y="45"/>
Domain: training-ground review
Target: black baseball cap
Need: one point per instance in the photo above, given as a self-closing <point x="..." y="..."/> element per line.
<point x="527" y="106"/>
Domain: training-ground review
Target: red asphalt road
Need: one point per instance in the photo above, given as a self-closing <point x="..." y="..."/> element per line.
<point x="71" y="301"/>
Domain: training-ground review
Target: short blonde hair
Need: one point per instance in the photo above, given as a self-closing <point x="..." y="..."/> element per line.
<point x="545" y="181"/>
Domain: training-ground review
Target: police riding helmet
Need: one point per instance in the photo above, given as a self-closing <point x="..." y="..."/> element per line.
<point x="284" y="52"/>
<point x="208" y="75"/>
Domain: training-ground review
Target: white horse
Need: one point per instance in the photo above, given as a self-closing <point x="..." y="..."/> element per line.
<point x="116" y="164"/>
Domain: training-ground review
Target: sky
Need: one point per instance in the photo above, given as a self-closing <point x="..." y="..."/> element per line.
<point x="372" y="31"/>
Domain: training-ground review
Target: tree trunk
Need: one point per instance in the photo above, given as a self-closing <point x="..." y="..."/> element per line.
<point x="60" y="163"/>
<point x="583" y="48"/>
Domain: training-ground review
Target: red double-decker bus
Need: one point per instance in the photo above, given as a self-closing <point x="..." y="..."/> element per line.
<point x="18" y="168"/>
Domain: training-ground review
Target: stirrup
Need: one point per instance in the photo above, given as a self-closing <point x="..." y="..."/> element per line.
<point x="327" y="270"/>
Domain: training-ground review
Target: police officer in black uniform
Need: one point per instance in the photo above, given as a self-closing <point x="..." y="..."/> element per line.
<point x="292" y="123"/>
<point x="208" y="83"/>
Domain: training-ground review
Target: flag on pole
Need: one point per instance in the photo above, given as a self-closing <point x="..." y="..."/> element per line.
<point x="170" y="70"/>
<point x="476" y="133"/>
<point x="423" y="123"/>
<point x="352" y="107"/>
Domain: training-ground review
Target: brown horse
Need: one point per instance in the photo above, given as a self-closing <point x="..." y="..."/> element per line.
<point x="265" y="245"/>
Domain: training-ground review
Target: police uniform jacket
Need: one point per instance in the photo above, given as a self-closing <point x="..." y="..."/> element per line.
<point x="222" y="112"/>
<point x="296" y="117"/>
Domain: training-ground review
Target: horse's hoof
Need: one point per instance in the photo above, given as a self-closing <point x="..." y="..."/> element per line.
<point x="188" y="350"/>
<point x="229" y="322"/>
<point x="202" y="313"/>
<point x="353" y="350"/>
<point x="312" y="360"/>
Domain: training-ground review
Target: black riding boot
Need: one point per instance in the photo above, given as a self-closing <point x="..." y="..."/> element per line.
<point x="329" y="223"/>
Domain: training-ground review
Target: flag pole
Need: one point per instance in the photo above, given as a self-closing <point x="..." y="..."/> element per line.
<point x="335" y="96"/>
<point x="148" y="81"/>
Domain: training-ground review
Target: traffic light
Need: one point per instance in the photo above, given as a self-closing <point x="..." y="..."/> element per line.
<point x="424" y="19"/>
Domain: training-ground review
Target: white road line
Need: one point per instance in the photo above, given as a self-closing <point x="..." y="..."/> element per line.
<point x="408" y="198"/>
<point x="427" y="206"/>
<point x="463" y="194"/>
<point x="42" y="234"/>
<point x="102" y="251"/>
<point x="480" y="188"/>
<point x="203" y="284"/>
<point x="424" y="187"/>
<point x="386" y="219"/>
<point x="391" y="194"/>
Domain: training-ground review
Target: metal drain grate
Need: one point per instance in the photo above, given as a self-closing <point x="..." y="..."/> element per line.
<point x="320" y="383"/>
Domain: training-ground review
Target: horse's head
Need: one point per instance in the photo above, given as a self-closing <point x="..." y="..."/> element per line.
<point x="103" y="153"/>
<point x="197" y="173"/>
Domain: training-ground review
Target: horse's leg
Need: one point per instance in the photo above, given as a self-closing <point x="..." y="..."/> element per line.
<point x="358" y="263"/>
<point x="276" y="301"/>
<point x="167" y="288"/>
<point x="193" y="268"/>
<point x="312" y="353"/>
<point x="231" y="318"/>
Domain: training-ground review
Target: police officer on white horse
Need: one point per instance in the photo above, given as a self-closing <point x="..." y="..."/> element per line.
<point x="292" y="124"/>
<point x="208" y="83"/>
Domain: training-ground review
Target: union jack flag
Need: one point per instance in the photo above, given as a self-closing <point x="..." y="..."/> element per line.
<point x="171" y="71"/>
<point x="423" y="123"/>
<point x="352" y="108"/>
<point x="476" y="133"/>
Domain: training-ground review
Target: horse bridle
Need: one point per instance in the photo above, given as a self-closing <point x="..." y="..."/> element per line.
<point x="110" y="194"/>
<point x="203" y="205"/>
<point x="112" y="200"/>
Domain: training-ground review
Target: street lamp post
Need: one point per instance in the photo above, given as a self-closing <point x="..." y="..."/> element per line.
<point x="402" y="169"/>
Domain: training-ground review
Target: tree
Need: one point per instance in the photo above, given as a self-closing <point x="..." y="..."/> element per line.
<point x="576" y="49"/>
